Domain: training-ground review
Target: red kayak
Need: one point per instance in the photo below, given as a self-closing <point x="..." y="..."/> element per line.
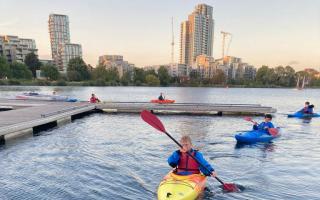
<point x="162" y="101"/>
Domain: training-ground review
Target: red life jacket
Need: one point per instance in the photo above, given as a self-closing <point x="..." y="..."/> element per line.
<point x="305" y="110"/>
<point x="93" y="100"/>
<point x="188" y="164"/>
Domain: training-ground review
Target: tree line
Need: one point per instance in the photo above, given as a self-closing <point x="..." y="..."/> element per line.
<point x="79" y="72"/>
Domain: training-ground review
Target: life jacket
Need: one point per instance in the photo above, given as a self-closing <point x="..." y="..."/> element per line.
<point x="93" y="100"/>
<point x="187" y="163"/>
<point x="306" y="110"/>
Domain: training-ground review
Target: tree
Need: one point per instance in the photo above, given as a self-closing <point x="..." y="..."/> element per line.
<point x="163" y="76"/>
<point x="33" y="63"/>
<point x="219" y="77"/>
<point x="152" y="80"/>
<point x="77" y="70"/>
<point x="20" y="71"/>
<point x="50" y="72"/>
<point x="4" y="68"/>
<point x="126" y="78"/>
<point x="112" y="75"/>
<point x="138" y="76"/>
<point x="99" y="72"/>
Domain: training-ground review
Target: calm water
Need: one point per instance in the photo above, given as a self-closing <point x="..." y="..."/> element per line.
<point x="121" y="157"/>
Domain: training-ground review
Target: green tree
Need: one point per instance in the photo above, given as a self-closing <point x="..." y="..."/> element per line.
<point x="112" y="75"/>
<point x="4" y="68"/>
<point x="152" y="80"/>
<point x="138" y="76"/>
<point x="33" y="63"/>
<point x="50" y="72"/>
<point x="99" y="73"/>
<point x="163" y="76"/>
<point x="126" y="78"/>
<point x="20" y="71"/>
<point x="266" y="76"/>
<point x="77" y="70"/>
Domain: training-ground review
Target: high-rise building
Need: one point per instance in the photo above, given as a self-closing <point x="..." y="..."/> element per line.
<point x="116" y="61"/>
<point x="61" y="48"/>
<point x="196" y="36"/>
<point x="14" y="48"/>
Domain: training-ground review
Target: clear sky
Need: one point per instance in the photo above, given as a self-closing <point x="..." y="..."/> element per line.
<point x="265" y="32"/>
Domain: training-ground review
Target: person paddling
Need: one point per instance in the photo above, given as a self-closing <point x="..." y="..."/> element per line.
<point x="264" y="126"/>
<point x="161" y="97"/>
<point x="94" y="99"/>
<point x="307" y="109"/>
<point x="185" y="164"/>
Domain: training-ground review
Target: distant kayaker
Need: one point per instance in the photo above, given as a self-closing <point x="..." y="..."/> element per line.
<point x="161" y="97"/>
<point x="264" y="126"/>
<point x="185" y="164"/>
<point x="307" y="109"/>
<point x="94" y="99"/>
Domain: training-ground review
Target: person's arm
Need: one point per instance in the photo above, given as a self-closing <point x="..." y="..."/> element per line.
<point x="205" y="171"/>
<point x="174" y="159"/>
<point x="270" y="125"/>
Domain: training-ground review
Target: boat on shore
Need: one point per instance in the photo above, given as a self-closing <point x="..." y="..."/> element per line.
<point x="44" y="97"/>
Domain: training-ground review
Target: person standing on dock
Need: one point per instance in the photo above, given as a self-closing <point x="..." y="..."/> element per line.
<point x="94" y="99"/>
<point x="161" y="97"/>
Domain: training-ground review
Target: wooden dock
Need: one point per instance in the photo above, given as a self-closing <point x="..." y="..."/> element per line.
<point x="28" y="117"/>
<point x="186" y="108"/>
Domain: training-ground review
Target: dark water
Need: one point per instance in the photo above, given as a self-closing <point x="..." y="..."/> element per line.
<point x="121" y="157"/>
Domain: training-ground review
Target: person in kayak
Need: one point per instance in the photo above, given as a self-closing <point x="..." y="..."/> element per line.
<point x="307" y="109"/>
<point x="94" y="99"/>
<point x="264" y="126"/>
<point x="185" y="164"/>
<point x="161" y="97"/>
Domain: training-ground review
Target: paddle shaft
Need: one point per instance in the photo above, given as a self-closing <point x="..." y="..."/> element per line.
<point x="218" y="179"/>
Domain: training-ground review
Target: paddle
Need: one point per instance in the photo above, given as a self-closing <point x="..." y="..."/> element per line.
<point x="154" y="121"/>
<point x="273" y="131"/>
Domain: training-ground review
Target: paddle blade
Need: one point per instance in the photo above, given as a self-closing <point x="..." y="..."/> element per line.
<point x="230" y="187"/>
<point x="152" y="120"/>
<point x="273" y="131"/>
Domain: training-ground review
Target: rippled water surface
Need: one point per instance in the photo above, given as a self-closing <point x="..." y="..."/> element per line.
<point x="119" y="156"/>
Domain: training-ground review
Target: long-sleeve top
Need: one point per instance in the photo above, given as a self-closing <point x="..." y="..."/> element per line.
<point x="263" y="126"/>
<point x="306" y="110"/>
<point x="173" y="161"/>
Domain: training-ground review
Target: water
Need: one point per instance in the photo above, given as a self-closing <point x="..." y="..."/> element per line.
<point x="121" y="157"/>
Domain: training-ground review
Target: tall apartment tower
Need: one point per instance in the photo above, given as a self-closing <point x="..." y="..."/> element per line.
<point x="196" y="35"/>
<point x="61" y="48"/>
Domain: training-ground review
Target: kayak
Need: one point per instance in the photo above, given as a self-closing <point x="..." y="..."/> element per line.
<point x="303" y="115"/>
<point x="44" y="97"/>
<point x="162" y="101"/>
<point x="176" y="187"/>
<point x="254" y="136"/>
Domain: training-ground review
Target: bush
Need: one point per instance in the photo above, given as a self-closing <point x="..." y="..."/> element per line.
<point x="43" y="83"/>
<point x="3" y="82"/>
<point x="61" y="83"/>
<point x="14" y="82"/>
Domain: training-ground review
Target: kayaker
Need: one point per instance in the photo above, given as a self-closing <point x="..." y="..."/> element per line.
<point x="264" y="126"/>
<point x="161" y="97"/>
<point x="94" y="99"/>
<point x="185" y="164"/>
<point x="307" y="109"/>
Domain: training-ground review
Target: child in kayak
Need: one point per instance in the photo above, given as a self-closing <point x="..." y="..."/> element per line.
<point x="185" y="164"/>
<point x="307" y="109"/>
<point x="264" y="126"/>
<point x="94" y="99"/>
<point x="161" y="97"/>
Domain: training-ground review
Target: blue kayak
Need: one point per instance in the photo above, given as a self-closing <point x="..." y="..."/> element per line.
<point x="254" y="136"/>
<point x="303" y="115"/>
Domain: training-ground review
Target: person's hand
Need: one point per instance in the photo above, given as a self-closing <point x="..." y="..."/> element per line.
<point x="213" y="174"/>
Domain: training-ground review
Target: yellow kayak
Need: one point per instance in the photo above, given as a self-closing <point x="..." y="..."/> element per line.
<point x="176" y="187"/>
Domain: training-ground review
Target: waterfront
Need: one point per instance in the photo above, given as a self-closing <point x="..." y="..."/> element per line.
<point x="120" y="157"/>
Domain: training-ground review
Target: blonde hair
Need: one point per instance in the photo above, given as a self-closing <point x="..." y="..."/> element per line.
<point x="186" y="138"/>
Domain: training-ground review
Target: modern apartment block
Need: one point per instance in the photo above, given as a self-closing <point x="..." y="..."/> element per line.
<point x="116" y="61"/>
<point x="61" y="48"/>
<point x="14" y="48"/>
<point x="196" y="36"/>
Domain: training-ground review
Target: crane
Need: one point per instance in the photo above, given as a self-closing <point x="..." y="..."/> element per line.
<point x="224" y="35"/>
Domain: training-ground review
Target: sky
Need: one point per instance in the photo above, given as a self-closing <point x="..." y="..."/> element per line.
<point x="273" y="32"/>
